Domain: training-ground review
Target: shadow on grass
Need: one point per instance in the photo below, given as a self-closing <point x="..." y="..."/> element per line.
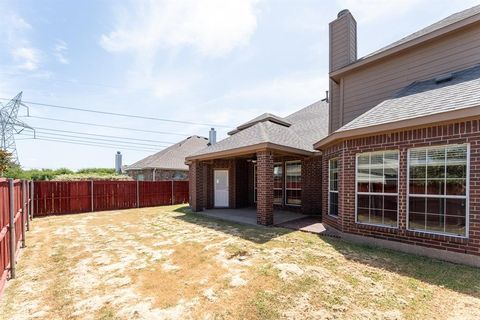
<point x="255" y="233"/>
<point x="460" y="278"/>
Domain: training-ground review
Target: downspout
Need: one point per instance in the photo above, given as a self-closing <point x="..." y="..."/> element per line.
<point x="154" y="173"/>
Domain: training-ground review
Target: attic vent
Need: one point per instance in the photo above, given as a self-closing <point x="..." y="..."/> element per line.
<point x="443" y="78"/>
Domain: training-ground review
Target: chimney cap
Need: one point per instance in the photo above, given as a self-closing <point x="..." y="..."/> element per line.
<point x="343" y="12"/>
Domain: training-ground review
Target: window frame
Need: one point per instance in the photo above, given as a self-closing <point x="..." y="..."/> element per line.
<point x="445" y="196"/>
<point x="370" y="153"/>
<point x="329" y="191"/>
<point x="285" y="184"/>
<point x="281" y="189"/>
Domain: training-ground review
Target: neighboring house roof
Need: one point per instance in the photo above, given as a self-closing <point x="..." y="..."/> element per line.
<point x="446" y="97"/>
<point x="306" y="126"/>
<point x="450" y="23"/>
<point x="173" y="157"/>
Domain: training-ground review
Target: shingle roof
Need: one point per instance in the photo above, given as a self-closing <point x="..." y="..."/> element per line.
<point x="424" y="98"/>
<point x="456" y="17"/>
<point x="172" y="157"/>
<point x="308" y="125"/>
<point x="263" y="117"/>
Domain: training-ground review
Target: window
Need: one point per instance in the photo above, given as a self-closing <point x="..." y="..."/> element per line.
<point x="179" y="175"/>
<point x="293" y="182"/>
<point x="437" y="189"/>
<point x="140" y="177"/>
<point x="333" y="187"/>
<point x="377" y="188"/>
<point x="277" y="183"/>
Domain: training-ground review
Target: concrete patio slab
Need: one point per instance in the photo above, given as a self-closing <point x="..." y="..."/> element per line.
<point x="310" y="224"/>
<point x="249" y="215"/>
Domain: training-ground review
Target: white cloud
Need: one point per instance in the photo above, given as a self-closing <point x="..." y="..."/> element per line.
<point x="212" y="27"/>
<point x="60" y="50"/>
<point x="13" y="36"/>
<point x="370" y="10"/>
<point x="28" y="58"/>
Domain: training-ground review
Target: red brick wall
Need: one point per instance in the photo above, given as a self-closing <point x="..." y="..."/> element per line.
<point x="463" y="132"/>
<point x="265" y="187"/>
<point x="312" y="185"/>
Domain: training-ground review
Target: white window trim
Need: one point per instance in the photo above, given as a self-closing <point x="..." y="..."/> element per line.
<point x="466" y="197"/>
<point x="335" y="191"/>
<point x="377" y="193"/>
<point x="281" y="165"/>
<point x="285" y="197"/>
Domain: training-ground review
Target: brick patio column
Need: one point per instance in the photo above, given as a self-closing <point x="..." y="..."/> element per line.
<point x="196" y="185"/>
<point x="265" y="188"/>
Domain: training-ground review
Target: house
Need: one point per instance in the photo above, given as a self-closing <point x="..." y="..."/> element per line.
<point x="268" y="162"/>
<point x="399" y="166"/>
<point x="168" y="164"/>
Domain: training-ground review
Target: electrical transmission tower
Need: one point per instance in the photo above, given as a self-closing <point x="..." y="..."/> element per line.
<point x="10" y="125"/>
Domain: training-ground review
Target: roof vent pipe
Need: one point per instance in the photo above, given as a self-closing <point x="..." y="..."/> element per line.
<point x="212" y="136"/>
<point x="326" y="96"/>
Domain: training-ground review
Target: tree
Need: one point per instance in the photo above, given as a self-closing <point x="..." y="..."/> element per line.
<point x="6" y="162"/>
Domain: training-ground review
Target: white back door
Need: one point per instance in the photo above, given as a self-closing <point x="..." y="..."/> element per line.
<point x="221" y="188"/>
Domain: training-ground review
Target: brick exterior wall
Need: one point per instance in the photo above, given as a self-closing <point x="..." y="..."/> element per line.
<point x="456" y="133"/>
<point x="160" y="175"/>
<point x="312" y="185"/>
<point x="196" y="186"/>
<point x="265" y="187"/>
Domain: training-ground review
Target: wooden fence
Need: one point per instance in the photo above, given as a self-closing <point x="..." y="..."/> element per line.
<point x="18" y="207"/>
<point x="61" y="197"/>
<point x="15" y="215"/>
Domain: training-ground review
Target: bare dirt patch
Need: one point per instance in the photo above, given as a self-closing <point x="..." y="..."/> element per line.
<point x="167" y="263"/>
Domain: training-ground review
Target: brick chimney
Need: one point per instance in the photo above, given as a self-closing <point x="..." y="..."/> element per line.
<point x="343" y="40"/>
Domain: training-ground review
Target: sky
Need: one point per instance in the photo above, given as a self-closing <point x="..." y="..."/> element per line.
<point x="214" y="62"/>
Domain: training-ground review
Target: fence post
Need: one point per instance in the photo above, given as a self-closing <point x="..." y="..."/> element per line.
<point x="173" y="202"/>
<point x="91" y="191"/>
<point x="32" y="209"/>
<point x="24" y="209"/>
<point x="28" y="198"/>
<point x="11" y="226"/>
<point x="138" y="195"/>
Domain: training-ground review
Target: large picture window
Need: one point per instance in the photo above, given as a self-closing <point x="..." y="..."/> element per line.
<point x="293" y="182"/>
<point x="277" y="183"/>
<point x="437" y="192"/>
<point x="333" y="187"/>
<point x="377" y="188"/>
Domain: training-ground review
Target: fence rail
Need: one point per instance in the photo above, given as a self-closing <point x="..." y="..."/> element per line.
<point x="62" y="197"/>
<point x="15" y="216"/>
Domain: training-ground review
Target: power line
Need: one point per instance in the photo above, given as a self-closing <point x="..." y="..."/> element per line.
<point x="121" y="114"/>
<point x="100" y="139"/>
<point x="108" y="126"/>
<point x="102" y="135"/>
<point x="95" y="144"/>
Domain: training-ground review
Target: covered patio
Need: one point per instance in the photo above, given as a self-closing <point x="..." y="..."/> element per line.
<point x="267" y="163"/>
<point x="249" y="215"/>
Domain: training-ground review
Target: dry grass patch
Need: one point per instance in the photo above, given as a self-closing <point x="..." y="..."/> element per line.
<point x="167" y="263"/>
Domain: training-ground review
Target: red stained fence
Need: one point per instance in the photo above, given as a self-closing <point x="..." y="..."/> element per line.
<point x="15" y="215"/>
<point x="61" y="197"/>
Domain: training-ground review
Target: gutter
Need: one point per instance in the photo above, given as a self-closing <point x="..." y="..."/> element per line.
<point x="249" y="149"/>
<point x="429" y="120"/>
